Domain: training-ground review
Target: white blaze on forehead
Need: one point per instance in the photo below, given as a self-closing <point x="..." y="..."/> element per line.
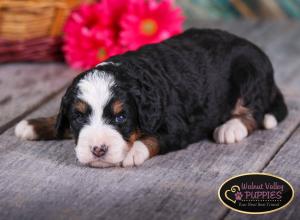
<point x="108" y="63"/>
<point x="95" y="89"/>
<point x="104" y="63"/>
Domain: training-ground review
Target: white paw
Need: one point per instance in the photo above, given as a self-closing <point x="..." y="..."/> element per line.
<point x="137" y="155"/>
<point x="269" y="121"/>
<point x="25" y="131"/>
<point x="230" y="132"/>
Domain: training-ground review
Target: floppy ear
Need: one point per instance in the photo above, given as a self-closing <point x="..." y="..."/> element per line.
<point x="143" y="89"/>
<point x="62" y="126"/>
<point x="149" y="106"/>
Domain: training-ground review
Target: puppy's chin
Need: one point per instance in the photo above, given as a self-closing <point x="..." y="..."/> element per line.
<point x="103" y="164"/>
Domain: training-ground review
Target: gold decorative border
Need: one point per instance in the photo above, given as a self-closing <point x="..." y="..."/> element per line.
<point x="261" y="174"/>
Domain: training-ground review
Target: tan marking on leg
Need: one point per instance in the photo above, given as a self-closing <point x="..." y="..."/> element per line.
<point x="45" y="128"/>
<point x="245" y="115"/>
<point x="152" y="145"/>
<point x="117" y="107"/>
<point x="133" y="137"/>
<point x="141" y="150"/>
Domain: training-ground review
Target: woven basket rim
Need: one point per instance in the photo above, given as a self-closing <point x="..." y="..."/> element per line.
<point x="31" y="4"/>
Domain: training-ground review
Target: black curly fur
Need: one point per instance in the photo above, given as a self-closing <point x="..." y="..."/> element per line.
<point x="186" y="86"/>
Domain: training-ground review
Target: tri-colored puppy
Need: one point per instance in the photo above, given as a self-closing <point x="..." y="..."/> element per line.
<point x="200" y="84"/>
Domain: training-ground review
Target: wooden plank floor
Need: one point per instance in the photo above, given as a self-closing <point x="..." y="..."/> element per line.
<point x="43" y="180"/>
<point x="24" y="87"/>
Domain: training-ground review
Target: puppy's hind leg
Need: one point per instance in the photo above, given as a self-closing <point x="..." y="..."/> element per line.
<point x="251" y="83"/>
<point x="246" y="119"/>
<point x="238" y="127"/>
<point x="38" y="129"/>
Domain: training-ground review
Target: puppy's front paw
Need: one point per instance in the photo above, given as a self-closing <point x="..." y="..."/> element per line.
<point x="230" y="132"/>
<point x="25" y="131"/>
<point x="137" y="155"/>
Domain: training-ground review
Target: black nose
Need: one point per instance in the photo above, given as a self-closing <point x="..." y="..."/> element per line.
<point x="99" y="151"/>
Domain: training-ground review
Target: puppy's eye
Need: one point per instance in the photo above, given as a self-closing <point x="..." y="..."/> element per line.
<point x="78" y="117"/>
<point x="120" y="119"/>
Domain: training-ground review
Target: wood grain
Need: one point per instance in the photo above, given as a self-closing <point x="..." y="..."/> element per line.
<point x="285" y="164"/>
<point x="24" y="87"/>
<point x="43" y="179"/>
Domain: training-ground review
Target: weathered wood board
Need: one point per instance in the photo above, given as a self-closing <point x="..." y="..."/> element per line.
<point x="24" y="86"/>
<point x="286" y="164"/>
<point x="42" y="180"/>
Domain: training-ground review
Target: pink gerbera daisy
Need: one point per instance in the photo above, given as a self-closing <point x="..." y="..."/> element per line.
<point x="86" y="16"/>
<point x="89" y="47"/>
<point x="88" y="40"/>
<point x="114" y="10"/>
<point x="149" y="21"/>
<point x="98" y="31"/>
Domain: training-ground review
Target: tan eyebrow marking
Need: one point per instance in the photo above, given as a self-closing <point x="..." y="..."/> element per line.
<point x="117" y="106"/>
<point x="81" y="106"/>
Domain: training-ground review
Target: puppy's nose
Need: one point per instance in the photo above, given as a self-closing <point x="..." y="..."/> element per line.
<point x="99" y="151"/>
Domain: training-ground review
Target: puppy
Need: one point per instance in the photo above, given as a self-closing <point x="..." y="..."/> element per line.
<point x="200" y="84"/>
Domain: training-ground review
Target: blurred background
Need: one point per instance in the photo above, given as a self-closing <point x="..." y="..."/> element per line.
<point x="35" y="30"/>
<point x="241" y="9"/>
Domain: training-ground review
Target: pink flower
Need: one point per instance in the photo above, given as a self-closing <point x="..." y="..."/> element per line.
<point x="87" y="48"/>
<point x="87" y="38"/>
<point x="149" y="21"/>
<point x="98" y="31"/>
<point x="86" y="16"/>
<point x="114" y="10"/>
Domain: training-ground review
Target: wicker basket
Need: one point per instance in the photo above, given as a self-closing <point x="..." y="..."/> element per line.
<point x="30" y="30"/>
